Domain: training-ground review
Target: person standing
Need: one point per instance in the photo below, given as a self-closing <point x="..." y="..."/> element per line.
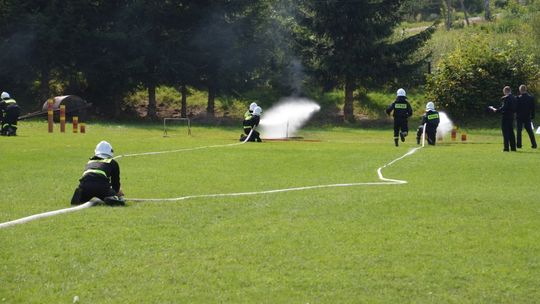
<point x="430" y="120"/>
<point x="507" y="109"/>
<point x="10" y="115"/>
<point x="525" y="109"/>
<point x="402" y="110"/>
<point x="101" y="178"/>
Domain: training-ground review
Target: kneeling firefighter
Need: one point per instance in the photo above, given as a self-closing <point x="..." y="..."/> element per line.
<point x="431" y="120"/>
<point x="101" y="179"/>
<point x="250" y="124"/>
<point x="10" y="115"/>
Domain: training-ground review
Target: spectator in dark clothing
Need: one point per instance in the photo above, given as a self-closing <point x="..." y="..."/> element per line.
<point x="430" y="120"/>
<point x="250" y="124"/>
<point x="507" y="109"/>
<point x="101" y="178"/>
<point x="525" y="109"/>
<point x="402" y="111"/>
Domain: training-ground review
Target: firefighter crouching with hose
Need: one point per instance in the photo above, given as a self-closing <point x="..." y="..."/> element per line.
<point x="430" y="120"/>
<point x="250" y="123"/>
<point x="101" y="179"/>
<point x="9" y="114"/>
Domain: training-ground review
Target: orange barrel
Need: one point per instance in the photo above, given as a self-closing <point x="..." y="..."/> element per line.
<point x="83" y="127"/>
<point x="75" y="124"/>
<point x="62" y="118"/>
<point x="463" y="136"/>
<point x="50" y="115"/>
<point x="454" y="133"/>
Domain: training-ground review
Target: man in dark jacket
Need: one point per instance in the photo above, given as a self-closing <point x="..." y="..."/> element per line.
<point x="525" y="109"/>
<point x="250" y="124"/>
<point x="101" y="178"/>
<point x="431" y="120"/>
<point x="10" y="115"/>
<point x="402" y="111"/>
<point x="507" y="109"/>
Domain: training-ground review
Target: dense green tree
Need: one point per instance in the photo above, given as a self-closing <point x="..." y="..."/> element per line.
<point x="349" y="42"/>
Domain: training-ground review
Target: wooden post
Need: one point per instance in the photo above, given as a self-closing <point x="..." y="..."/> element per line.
<point x="50" y="115"/>
<point x="75" y="124"/>
<point x="83" y="128"/>
<point x="63" y="118"/>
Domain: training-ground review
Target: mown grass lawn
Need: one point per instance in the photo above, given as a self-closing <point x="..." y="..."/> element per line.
<point x="465" y="229"/>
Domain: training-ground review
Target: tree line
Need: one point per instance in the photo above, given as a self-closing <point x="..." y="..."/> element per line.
<point x="106" y="49"/>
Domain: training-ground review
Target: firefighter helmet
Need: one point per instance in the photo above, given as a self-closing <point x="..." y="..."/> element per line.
<point x="252" y="106"/>
<point x="401" y="92"/>
<point x="430" y="106"/>
<point x="104" y="149"/>
<point x="5" y="95"/>
<point x="257" y="111"/>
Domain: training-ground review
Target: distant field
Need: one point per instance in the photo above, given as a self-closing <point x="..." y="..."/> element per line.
<point x="465" y="229"/>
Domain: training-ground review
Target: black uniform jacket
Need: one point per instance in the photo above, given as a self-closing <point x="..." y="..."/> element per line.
<point x="508" y="107"/>
<point x="401" y="107"/>
<point x="525" y="107"/>
<point x="431" y="119"/>
<point x="100" y="170"/>
<point x="252" y="122"/>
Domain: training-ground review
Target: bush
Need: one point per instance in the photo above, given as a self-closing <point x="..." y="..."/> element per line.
<point x="473" y="75"/>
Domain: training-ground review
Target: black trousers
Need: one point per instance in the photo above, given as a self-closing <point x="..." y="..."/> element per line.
<point x="431" y="134"/>
<point x="400" y="126"/>
<point x="255" y="136"/>
<point x="509" y="138"/>
<point x="525" y="123"/>
<point x="88" y="190"/>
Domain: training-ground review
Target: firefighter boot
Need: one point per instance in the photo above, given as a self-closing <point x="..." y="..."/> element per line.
<point x="396" y="141"/>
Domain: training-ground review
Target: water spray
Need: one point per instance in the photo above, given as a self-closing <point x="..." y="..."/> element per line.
<point x="287" y="117"/>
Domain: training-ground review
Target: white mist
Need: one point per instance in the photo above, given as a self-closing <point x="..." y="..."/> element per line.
<point x="287" y="117"/>
<point x="445" y="125"/>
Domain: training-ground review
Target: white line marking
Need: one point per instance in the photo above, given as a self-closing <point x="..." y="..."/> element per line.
<point x="384" y="181"/>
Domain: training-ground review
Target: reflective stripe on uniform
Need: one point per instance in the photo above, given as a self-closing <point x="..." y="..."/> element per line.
<point x="10" y="101"/>
<point x="95" y="171"/>
<point x="400" y="105"/>
<point x="106" y="160"/>
<point x="432" y="116"/>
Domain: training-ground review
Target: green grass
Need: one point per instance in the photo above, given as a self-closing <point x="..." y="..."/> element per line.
<point x="465" y="229"/>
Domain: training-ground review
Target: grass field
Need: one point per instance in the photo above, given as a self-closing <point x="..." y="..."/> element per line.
<point x="465" y="229"/>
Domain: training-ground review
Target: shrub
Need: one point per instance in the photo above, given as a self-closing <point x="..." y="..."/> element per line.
<point x="473" y="75"/>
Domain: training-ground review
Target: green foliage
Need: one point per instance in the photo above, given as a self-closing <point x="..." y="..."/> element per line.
<point x="473" y="75"/>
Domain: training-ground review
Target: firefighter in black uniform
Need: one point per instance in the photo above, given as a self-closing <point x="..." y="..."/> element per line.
<point x="525" y="109"/>
<point x="250" y="124"/>
<point x="507" y="109"/>
<point x="402" y="111"/>
<point x="101" y="179"/>
<point x="10" y="112"/>
<point x="431" y="120"/>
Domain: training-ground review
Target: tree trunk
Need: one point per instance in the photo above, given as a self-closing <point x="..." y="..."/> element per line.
<point x="348" y="107"/>
<point x="211" y="100"/>
<point x="44" y="90"/>
<point x="151" y="111"/>
<point x="448" y="22"/>
<point x="487" y="10"/>
<point x="183" y="109"/>
<point x="464" y="12"/>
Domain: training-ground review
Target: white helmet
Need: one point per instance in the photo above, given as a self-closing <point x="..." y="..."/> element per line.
<point x="430" y="106"/>
<point x="257" y="111"/>
<point x="104" y="149"/>
<point x="401" y="92"/>
<point x="252" y="106"/>
<point x="5" y="95"/>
